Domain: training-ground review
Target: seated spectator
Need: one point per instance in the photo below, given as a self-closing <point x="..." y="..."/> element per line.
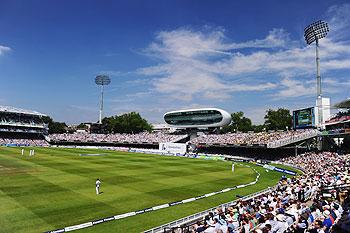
<point x="296" y="204"/>
<point x="143" y="137"/>
<point x="262" y="138"/>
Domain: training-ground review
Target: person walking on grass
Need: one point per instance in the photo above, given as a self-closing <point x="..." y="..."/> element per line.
<point x="98" y="183"/>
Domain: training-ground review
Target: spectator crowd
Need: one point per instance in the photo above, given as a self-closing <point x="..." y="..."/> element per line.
<point x="23" y="142"/>
<point x="252" y="138"/>
<point x="143" y="137"/>
<point x="340" y="117"/>
<point x="309" y="203"/>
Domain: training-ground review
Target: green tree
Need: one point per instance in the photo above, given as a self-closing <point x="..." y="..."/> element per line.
<point x="258" y="128"/>
<point x="108" y="124"/>
<point x="278" y="119"/>
<point x="82" y="126"/>
<point x="57" y="127"/>
<point x="126" y="123"/>
<point x="54" y="127"/>
<point x="47" y="119"/>
<point x="239" y="123"/>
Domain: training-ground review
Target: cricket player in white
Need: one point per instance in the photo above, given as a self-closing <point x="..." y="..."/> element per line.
<point x="31" y="152"/>
<point x="22" y="151"/>
<point x="233" y="167"/>
<point x="98" y="182"/>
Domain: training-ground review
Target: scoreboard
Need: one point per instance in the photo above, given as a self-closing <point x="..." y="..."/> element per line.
<point x="304" y="118"/>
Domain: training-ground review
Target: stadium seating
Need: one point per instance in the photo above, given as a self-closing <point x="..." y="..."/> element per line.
<point x="20" y="117"/>
<point x="340" y="117"/>
<point x="23" y="141"/>
<point x="298" y="204"/>
<point x="143" y="137"/>
<point x="271" y="139"/>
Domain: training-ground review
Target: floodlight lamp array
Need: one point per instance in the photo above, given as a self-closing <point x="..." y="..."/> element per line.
<point x="102" y="80"/>
<point x="316" y="31"/>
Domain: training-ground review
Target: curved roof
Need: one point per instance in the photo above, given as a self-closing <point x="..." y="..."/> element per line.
<point x="19" y="110"/>
<point x="343" y="104"/>
<point x="199" y="120"/>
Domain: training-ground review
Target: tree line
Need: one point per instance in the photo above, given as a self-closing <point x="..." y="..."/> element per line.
<point x="132" y="122"/>
<point x="278" y="119"/>
<point x="125" y="123"/>
<point x="54" y="126"/>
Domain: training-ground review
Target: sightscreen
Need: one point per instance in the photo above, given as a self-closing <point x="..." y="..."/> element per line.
<point x="304" y="118"/>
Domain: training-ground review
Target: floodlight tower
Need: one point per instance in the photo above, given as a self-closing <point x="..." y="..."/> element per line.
<point x="313" y="33"/>
<point x="102" y="80"/>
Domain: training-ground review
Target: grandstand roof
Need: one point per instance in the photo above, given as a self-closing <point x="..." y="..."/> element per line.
<point x="343" y="104"/>
<point x="19" y="110"/>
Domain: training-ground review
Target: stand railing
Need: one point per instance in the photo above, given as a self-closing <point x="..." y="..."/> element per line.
<point x="199" y="216"/>
<point x="292" y="139"/>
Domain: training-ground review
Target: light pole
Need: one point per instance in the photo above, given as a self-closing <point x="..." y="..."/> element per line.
<point x="102" y="80"/>
<point x="313" y="33"/>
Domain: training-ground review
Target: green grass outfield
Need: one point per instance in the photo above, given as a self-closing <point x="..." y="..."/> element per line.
<point x="56" y="188"/>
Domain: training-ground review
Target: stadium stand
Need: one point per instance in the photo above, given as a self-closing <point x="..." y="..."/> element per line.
<point x="270" y="139"/>
<point x="10" y="116"/>
<point x="20" y="127"/>
<point x="316" y="201"/>
<point x="340" y="117"/>
<point x="12" y="141"/>
<point x="339" y="123"/>
<point x="144" y="137"/>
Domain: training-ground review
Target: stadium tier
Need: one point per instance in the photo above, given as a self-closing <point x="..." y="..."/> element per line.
<point x="268" y="139"/>
<point x="20" y="120"/>
<point x="20" y="127"/>
<point x="340" y="117"/>
<point x="339" y="124"/>
<point x="22" y="141"/>
<point x="145" y="137"/>
<point x="265" y="139"/>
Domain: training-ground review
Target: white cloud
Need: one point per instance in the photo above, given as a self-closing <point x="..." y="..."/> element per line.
<point x="277" y="37"/>
<point x="193" y="63"/>
<point x="294" y="88"/>
<point x="336" y="64"/>
<point x="256" y="114"/>
<point x="186" y="43"/>
<point x="141" y="94"/>
<point x="114" y="73"/>
<point x="197" y="63"/>
<point x="4" y="49"/>
<point x="207" y="64"/>
<point x="334" y="85"/>
<point x="339" y="21"/>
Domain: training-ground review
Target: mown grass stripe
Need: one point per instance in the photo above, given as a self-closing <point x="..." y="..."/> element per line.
<point x="165" y="205"/>
<point x="130" y="181"/>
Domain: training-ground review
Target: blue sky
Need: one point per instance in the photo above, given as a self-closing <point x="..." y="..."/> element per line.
<point x="164" y="55"/>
